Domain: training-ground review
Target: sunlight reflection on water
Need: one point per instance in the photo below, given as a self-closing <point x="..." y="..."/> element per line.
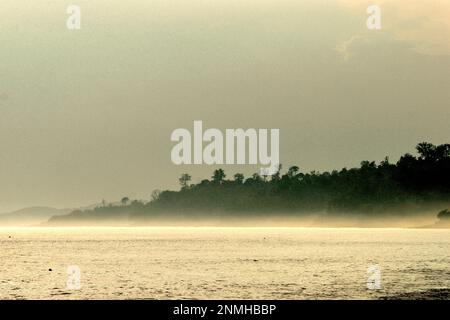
<point x="220" y="263"/>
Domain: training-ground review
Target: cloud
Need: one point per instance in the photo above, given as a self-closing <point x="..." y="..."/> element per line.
<point x="345" y="48"/>
<point x="423" y="24"/>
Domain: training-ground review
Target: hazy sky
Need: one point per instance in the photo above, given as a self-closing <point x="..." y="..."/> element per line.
<point x="88" y="114"/>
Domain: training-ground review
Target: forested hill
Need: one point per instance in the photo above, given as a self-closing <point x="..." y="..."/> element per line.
<point x="414" y="181"/>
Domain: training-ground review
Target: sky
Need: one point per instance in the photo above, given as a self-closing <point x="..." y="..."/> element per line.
<point x="87" y="114"/>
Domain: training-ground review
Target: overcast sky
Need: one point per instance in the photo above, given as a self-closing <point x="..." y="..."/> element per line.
<point x="87" y="115"/>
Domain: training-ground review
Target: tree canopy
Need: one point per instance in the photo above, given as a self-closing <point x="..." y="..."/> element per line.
<point x="372" y="187"/>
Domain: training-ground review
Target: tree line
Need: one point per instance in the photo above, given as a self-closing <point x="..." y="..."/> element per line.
<point x="425" y="177"/>
<point x="414" y="179"/>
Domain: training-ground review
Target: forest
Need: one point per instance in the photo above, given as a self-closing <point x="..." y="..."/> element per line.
<point x="411" y="183"/>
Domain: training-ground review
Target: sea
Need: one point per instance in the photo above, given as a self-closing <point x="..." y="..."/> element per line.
<point x="223" y="263"/>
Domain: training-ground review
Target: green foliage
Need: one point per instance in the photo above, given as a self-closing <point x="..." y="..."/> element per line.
<point x="218" y="176"/>
<point x="184" y="181"/>
<point x="239" y="178"/>
<point x="411" y="179"/>
<point x="366" y="189"/>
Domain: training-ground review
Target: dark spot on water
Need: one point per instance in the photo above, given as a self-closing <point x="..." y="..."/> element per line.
<point x="255" y="260"/>
<point x="60" y="293"/>
<point x="50" y="269"/>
